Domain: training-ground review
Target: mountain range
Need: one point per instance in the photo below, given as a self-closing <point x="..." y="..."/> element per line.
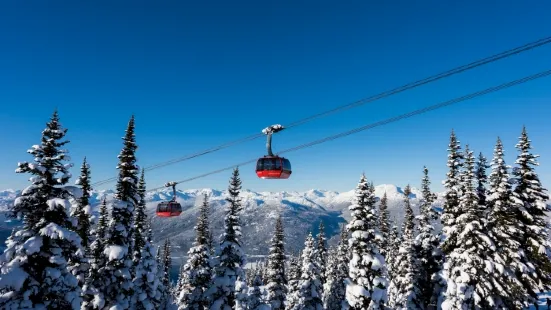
<point x="301" y="212"/>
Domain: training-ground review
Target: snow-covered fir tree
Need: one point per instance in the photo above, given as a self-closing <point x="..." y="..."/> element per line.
<point x="36" y="271"/>
<point x="452" y="193"/>
<point x="82" y="211"/>
<point x="392" y="249"/>
<point x="367" y="284"/>
<point x="196" y="274"/>
<point x="309" y="293"/>
<point x="166" y="296"/>
<point x="275" y="275"/>
<point x="505" y="229"/>
<point x="162" y="290"/>
<point x="293" y="278"/>
<point x="384" y="225"/>
<point x="255" y="300"/>
<point x="427" y="289"/>
<point x="481" y="179"/>
<point x="230" y="258"/>
<point x="116" y="274"/>
<point x="146" y="294"/>
<point x="93" y="284"/>
<point x="334" y="297"/>
<point x="321" y="251"/>
<point x="402" y="290"/>
<point x="140" y="221"/>
<point x="469" y="269"/>
<point x="534" y="241"/>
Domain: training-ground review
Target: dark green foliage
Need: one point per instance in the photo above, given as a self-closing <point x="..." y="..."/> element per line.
<point x="321" y="252"/>
<point x="275" y="277"/>
<point x="481" y="179"/>
<point x="384" y="225"/>
<point x="81" y="214"/>
<point x="535" y="229"/>
<point x="427" y="255"/>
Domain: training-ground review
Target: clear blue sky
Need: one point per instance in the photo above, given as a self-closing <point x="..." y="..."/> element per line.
<point x="199" y="74"/>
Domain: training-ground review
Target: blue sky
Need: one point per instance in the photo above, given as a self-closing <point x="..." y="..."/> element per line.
<point x="196" y="75"/>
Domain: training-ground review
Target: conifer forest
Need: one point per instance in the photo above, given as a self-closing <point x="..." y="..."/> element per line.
<point x="487" y="247"/>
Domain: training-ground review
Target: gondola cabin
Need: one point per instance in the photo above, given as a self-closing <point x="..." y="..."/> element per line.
<point x="273" y="167"/>
<point x="168" y="209"/>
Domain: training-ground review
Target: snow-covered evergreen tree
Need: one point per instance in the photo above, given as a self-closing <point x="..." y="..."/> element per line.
<point x="451" y="209"/>
<point x="36" y="271"/>
<point x="166" y="296"/>
<point x="82" y="211"/>
<point x="334" y="297"/>
<point x="117" y="272"/>
<point x="534" y="242"/>
<point x="401" y="290"/>
<point x="367" y="284"/>
<point x="162" y="290"/>
<point x="293" y="279"/>
<point x="196" y="274"/>
<point x="470" y="270"/>
<point x="384" y="225"/>
<point x="321" y="251"/>
<point x="426" y="249"/>
<point x="309" y="292"/>
<point x="505" y="229"/>
<point x="140" y="221"/>
<point x="392" y="249"/>
<point x="230" y="258"/>
<point x="255" y="300"/>
<point x="146" y="293"/>
<point x="93" y="284"/>
<point x="481" y="179"/>
<point x="275" y="275"/>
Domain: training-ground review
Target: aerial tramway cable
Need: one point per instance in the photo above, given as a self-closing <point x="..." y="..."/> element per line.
<point x="463" y="68"/>
<point x="386" y="121"/>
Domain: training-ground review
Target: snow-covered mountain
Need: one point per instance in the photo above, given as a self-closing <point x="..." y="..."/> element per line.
<point x="302" y="213"/>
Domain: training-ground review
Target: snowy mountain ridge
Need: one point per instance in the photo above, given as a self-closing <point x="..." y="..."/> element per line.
<point x="301" y="211"/>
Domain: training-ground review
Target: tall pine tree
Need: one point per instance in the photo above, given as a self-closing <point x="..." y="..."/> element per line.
<point x="230" y="258"/>
<point x="334" y="297"/>
<point x="402" y="290"/>
<point x="392" y="249"/>
<point x="367" y="284"/>
<point x="140" y="221"/>
<point x="452" y="193"/>
<point x="384" y="225"/>
<point x="533" y="198"/>
<point x="146" y="294"/>
<point x="82" y="210"/>
<point x="293" y="281"/>
<point x="93" y="284"/>
<point x="36" y="272"/>
<point x="196" y="274"/>
<point x="276" y="281"/>
<point x="116" y="274"/>
<point x="166" y="297"/>
<point x="426" y="249"/>
<point x="321" y="251"/>
<point x="470" y="270"/>
<point x="481" y="179"/>
<point x="505" y="229"/>
<point x="309" y="293"/>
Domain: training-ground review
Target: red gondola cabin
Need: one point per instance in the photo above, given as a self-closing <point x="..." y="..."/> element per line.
<point x="273" y="167"/>
<point x="169" y="208"/>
